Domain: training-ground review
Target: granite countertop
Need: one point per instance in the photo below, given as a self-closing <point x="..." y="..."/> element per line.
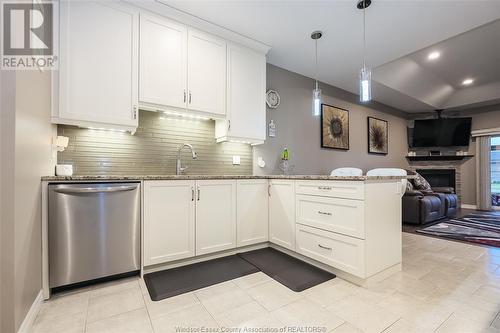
<point x="200" y="177"/>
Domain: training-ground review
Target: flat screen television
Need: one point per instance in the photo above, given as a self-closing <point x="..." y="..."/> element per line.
<point x="444" y="132"/>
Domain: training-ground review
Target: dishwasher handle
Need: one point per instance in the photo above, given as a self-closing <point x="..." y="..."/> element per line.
<point x="109" y="189"/>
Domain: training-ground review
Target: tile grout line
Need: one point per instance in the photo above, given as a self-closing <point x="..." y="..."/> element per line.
<point x="145" y="307"/>
<point x="444" y="321"/>
<point x="86" y="315"/>
<point x="397" y="320"/>
<point x="204" y="307"/>
<point x="497" y="316"/>
<point x="147" y="310"/>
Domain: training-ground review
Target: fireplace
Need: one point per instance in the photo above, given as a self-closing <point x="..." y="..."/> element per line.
<point x="439" y="177"/>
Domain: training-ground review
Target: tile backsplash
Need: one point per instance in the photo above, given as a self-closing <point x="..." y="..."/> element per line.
<point x="152" y="150"/>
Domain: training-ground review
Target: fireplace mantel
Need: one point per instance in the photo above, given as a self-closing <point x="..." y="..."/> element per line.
<point x="430" y="158"/>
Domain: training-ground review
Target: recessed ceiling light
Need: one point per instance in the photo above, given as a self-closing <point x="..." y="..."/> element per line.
<point x="467" y="82"/>
<point x="433" y="55"/>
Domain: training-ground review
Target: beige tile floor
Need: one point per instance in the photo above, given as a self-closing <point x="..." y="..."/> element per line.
<point x="444" y="287"/>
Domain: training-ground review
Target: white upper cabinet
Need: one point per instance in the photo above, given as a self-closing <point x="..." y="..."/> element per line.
<point x="97" y="82"/>
<point x="206" y="73"/>
<point x="163" y="62"/>
<point x="246" y="89"/>
<point x="215" y="216"/>
<point x="181" y="69"/>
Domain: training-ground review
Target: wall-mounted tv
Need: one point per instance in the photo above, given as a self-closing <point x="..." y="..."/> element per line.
<point x="443" y="132"/>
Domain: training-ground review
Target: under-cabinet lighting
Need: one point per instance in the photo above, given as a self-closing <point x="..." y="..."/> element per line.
<point x="186" y="116"/>
<point x="107" y="129"/>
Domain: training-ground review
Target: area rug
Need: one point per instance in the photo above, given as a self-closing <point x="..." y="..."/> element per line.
<point x="480" y="227"/>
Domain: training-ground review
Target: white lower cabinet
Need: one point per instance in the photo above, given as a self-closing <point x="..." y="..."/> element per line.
<point x="282" y="213"/>
<point x="252" y="212"/>
<point x="215" y="215"/>
<point x="354" y="228"/>
<point x="344" y="216"/>
<point x="339" y="251"/>
<point x="169" y="221"/>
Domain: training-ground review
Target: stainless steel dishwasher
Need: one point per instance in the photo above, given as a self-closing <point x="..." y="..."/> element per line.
<point x="94" y="231"/>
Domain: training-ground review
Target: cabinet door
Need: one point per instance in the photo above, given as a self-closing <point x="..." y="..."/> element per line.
<point x="252" y="212"/>
<point x="163" y="62"/>
<point x="98" y="73"/>
<point x="206" y="73"/>
<point x="215" y="216"/>
<point x="169" y="226"/>
<point x="246" y="89"/>
<point x="282" y="213"/>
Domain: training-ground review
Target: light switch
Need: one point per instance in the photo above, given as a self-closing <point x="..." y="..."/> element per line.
<point x="236" y="160"/>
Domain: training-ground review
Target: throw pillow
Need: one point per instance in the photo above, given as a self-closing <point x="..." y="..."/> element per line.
<point x="409" y="186"/>
<point x="421" y="184"/>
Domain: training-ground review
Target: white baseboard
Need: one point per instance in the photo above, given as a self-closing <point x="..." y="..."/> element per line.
<point x="466" y="206"/>
<point x="29" y="320"/>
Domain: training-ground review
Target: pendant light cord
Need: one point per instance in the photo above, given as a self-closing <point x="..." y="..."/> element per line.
<point x="316" y="70"/>
<point x="364" y="34"/>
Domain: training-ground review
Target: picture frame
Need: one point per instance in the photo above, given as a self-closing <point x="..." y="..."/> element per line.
<point x="378" y="136"/>
<point x="334" y="127"/>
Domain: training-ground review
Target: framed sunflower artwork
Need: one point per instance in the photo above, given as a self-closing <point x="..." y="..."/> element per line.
<point x="378" y="140"/>
<point x="334" y="127"/>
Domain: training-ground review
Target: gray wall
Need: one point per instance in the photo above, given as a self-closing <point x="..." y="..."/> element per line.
<point x="153" y="149"/>
<point x="26" y="156"/>
<point x="7" y="125"/>
<point x="33" y="160"/>
<point x="299" y="131"/>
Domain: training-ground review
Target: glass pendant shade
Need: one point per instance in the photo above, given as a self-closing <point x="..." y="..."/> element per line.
<point x="316" y="102"/>
<point x="365" y="85"/>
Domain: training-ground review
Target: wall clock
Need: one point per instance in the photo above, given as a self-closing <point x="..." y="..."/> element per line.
<point x="272" y="99"/>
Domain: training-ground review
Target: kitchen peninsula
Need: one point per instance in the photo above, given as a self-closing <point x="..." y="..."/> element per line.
<point x="350" y="226"/>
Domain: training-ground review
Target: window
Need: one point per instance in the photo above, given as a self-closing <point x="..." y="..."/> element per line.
<point x="495" y="171"/>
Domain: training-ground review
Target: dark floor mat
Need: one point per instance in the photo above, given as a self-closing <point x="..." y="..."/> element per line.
<point x="176" y="281"/>
<point x="287" y="270"/>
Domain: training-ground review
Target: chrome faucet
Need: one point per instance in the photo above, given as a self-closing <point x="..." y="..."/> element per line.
<point x="180" y="168"/>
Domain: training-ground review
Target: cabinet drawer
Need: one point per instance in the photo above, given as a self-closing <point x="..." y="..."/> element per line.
<point x="344" y="216"/>
<point x="339" y="251"/>
<point x="332" y="188"/>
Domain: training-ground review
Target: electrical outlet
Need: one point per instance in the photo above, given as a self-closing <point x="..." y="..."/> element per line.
<point x="236" y="160"/>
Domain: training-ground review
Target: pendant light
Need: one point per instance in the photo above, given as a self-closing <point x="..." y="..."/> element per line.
<point x="365" y="74"/>
<point x="316" y="96"/>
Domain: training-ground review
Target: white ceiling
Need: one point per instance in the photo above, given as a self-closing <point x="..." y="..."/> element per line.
<point x="438" y="83"/>
<point x="395" y="29"/>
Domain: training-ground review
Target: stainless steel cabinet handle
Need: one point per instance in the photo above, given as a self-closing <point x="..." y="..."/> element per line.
<point x="325" y="248"/>
<point x="269" y="190"/>
<point x="192" y="194"/>
<point x="190" y="97"/>
<point x="228" y="125"/>
<point x="198" y="194"/>
<point x="324" y="213"/>
<point x="184" y="96"/>
<point x="134" y="112"/>
<point x="95" y="189"/>
<point x="324" y="187"/>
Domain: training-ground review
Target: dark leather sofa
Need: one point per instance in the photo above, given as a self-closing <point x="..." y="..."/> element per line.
<point x="425" y="206"/>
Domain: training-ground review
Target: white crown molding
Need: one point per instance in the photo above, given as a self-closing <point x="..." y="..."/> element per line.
<point x="160" y="7"/>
